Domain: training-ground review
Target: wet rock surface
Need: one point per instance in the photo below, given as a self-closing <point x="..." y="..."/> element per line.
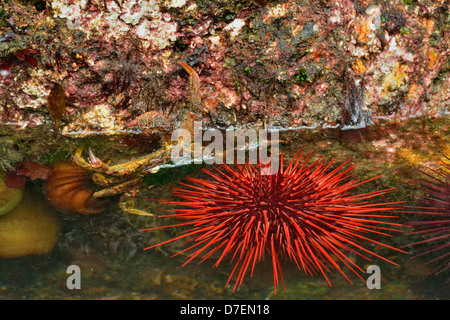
<point x="283" y="63"/>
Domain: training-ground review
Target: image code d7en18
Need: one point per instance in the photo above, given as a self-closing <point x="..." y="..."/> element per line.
<point x="246" y="309"/>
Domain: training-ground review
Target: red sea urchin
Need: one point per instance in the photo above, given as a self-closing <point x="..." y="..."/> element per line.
<point x="435" y="203"/>
<point x="305" y="213"/>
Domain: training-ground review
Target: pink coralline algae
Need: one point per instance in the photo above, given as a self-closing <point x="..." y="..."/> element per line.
<point x="117" y="19"/>
<point x="273" y="63"/>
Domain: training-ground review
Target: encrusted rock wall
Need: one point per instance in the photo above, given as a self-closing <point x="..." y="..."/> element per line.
<point x="283" y="63"/>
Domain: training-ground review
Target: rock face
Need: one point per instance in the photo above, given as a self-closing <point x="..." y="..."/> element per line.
<point x="285" y="63"/>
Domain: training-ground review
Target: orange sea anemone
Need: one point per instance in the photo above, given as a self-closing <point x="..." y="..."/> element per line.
<point x="70" y="190"/>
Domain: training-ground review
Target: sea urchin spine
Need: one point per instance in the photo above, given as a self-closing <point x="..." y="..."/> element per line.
<point x="303" y="213"/>
<point x="435" y="203"/>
